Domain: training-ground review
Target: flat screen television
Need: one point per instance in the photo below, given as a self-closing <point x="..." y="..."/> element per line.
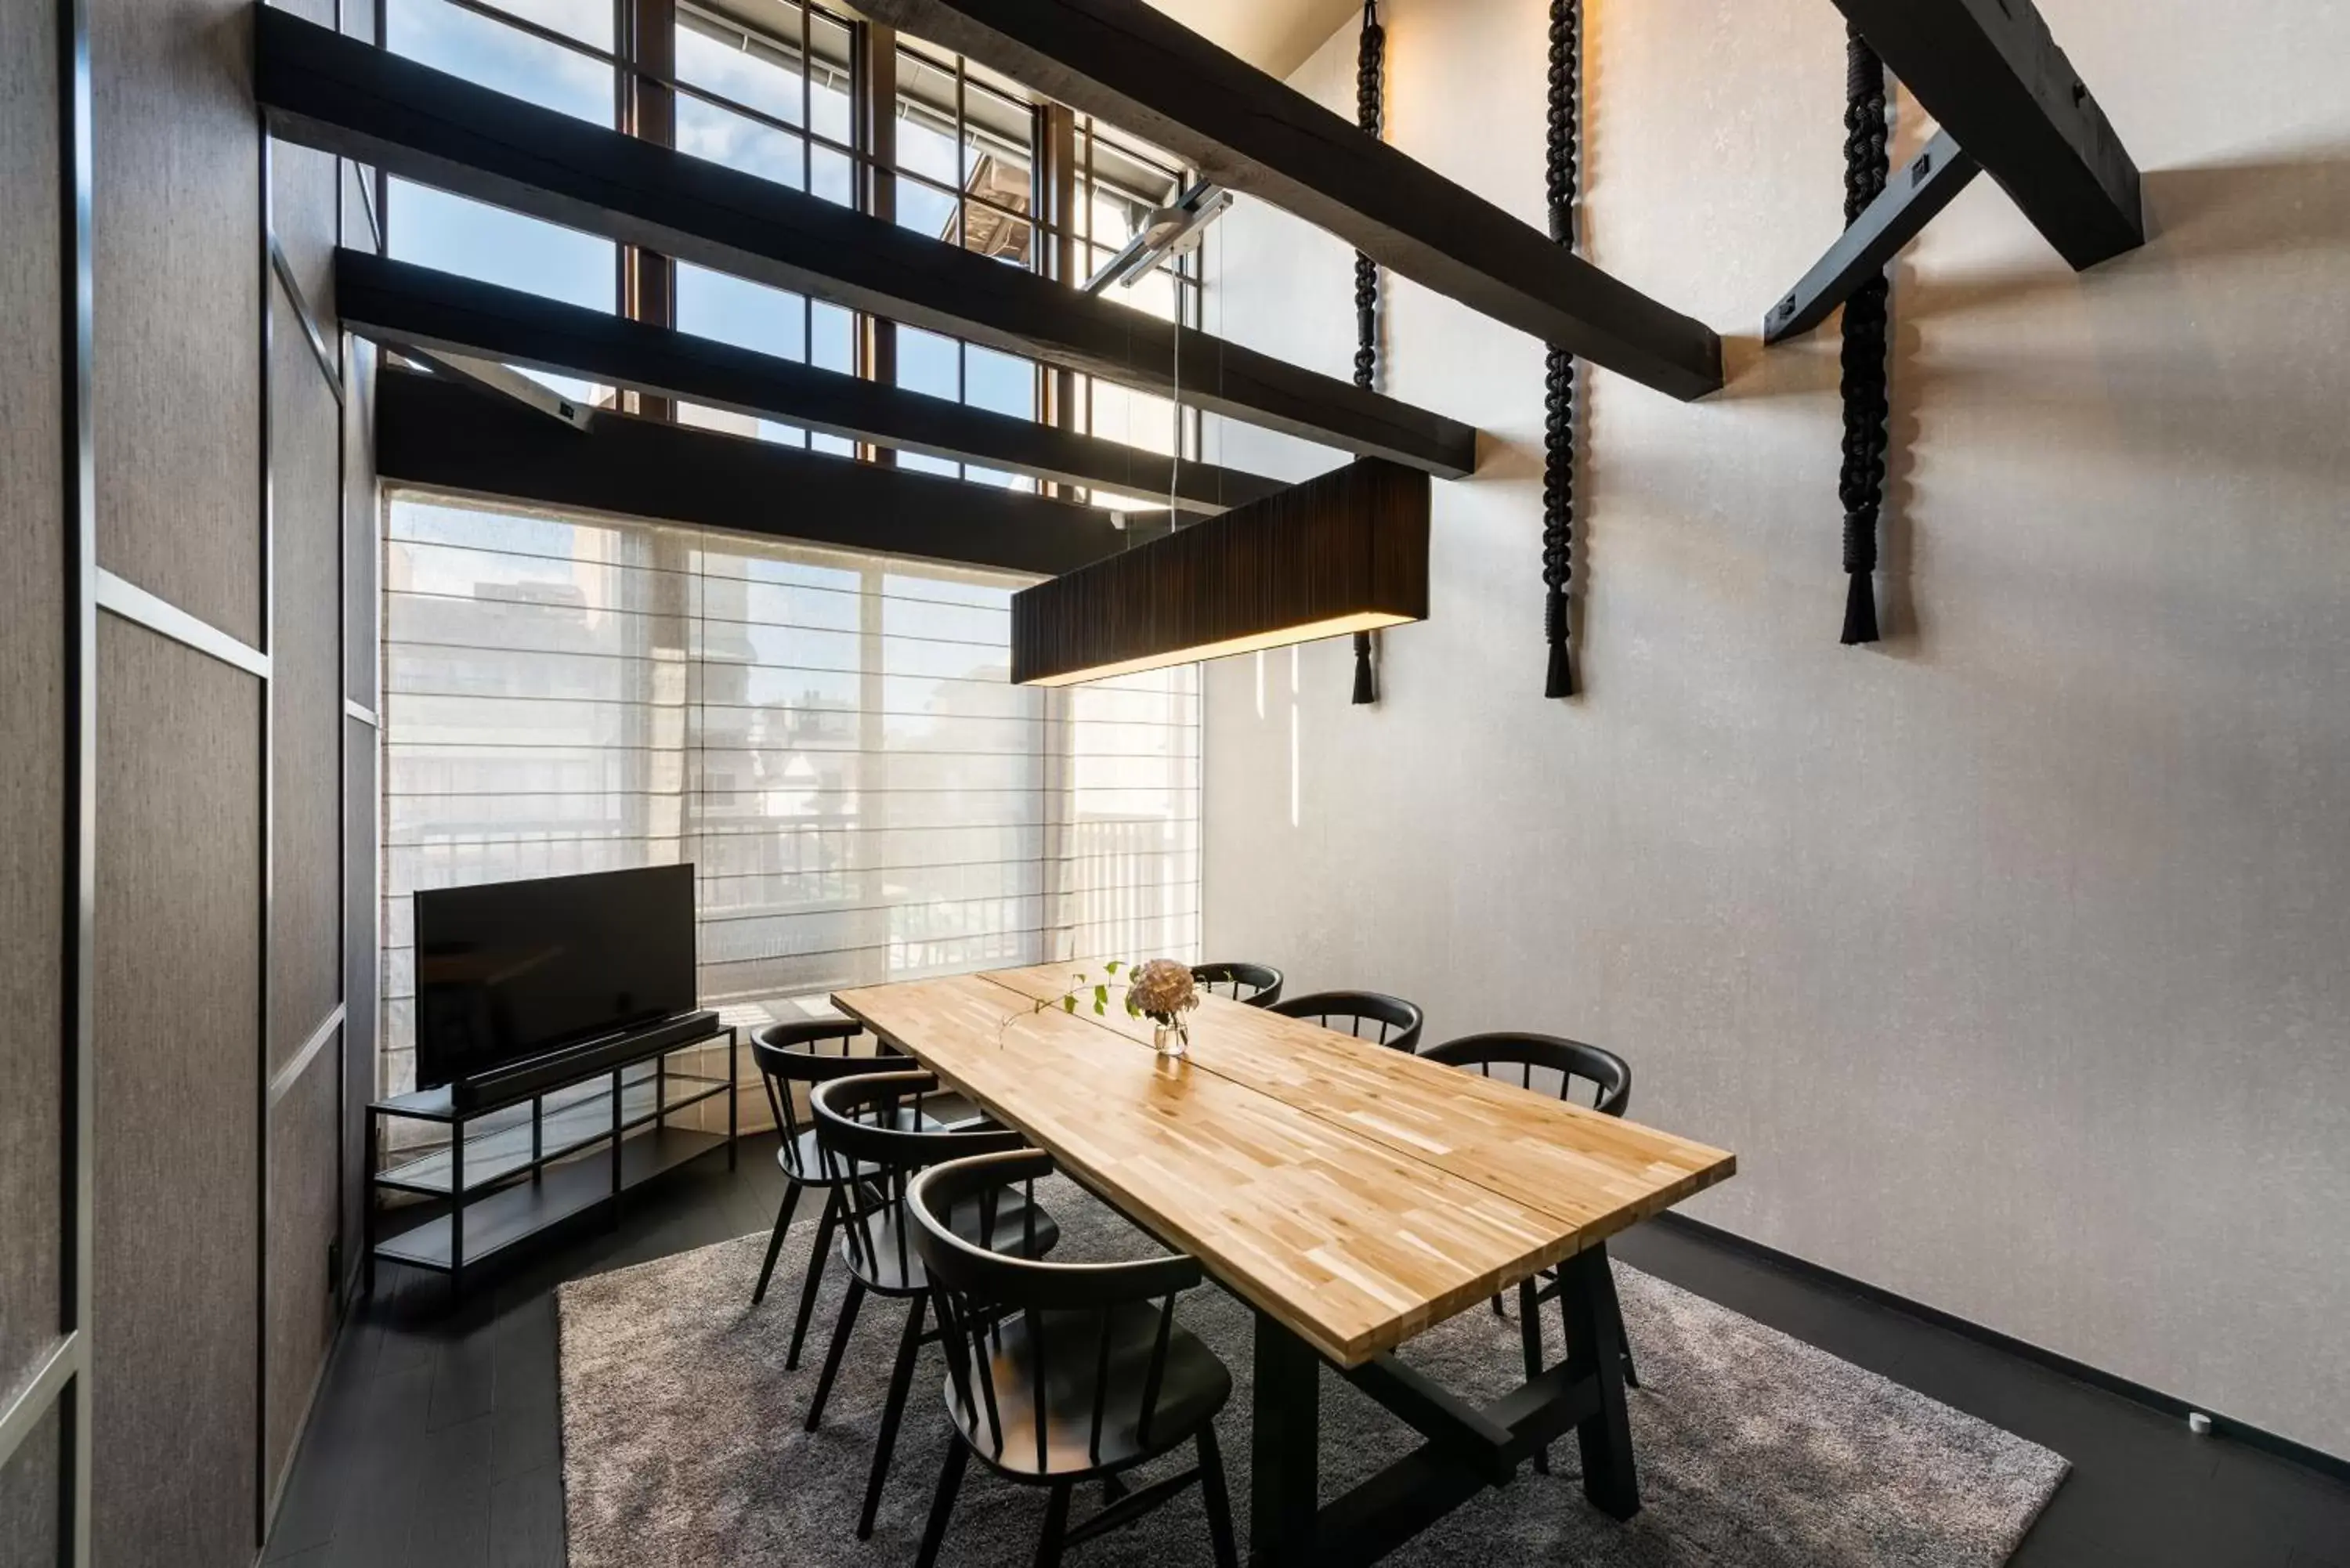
<point x="509" y="970"/>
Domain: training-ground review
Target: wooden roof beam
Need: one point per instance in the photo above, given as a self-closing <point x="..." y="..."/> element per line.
<point x="1154" y="78"/>
<point x="427" y="313"/>
<point x="320" y="89"/>
<point x="1991" y="72"/>
<point x="1908" y="203"/>
<point x="447" y="436"/>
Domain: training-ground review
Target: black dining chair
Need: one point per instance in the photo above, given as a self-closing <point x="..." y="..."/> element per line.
<point x="1258" y="984"/>
<point x="1580" y="1075"/>
<point x="792" y="1059"/>
<point x="873" y="1137"/>
<point x="1397" y="1022"/>
<point x="1062" y="1373"/>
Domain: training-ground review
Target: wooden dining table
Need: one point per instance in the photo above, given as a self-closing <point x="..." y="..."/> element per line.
<point x="1353" y="1196"/>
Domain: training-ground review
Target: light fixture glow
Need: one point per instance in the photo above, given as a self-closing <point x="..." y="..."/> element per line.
<point x="1344" y="553"/>
<point x="1311" y="631"/>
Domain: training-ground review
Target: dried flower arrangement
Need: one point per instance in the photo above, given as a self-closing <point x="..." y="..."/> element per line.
<point x="1161" y="990"/>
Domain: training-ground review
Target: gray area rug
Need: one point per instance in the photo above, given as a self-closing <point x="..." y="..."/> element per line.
<point x="683" y="1444"/>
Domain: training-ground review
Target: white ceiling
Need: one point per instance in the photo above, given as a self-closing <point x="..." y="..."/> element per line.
<point x="1274" y="36"/>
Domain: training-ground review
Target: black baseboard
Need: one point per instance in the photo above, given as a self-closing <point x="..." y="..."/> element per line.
<point x="2333" y="1467"/>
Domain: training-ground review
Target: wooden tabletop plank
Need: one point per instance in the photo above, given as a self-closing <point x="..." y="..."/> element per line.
<point x="1596" y="1173"/>
<point x="1352" y="1245"/>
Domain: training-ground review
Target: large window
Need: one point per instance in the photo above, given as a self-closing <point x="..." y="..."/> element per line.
<point x="776" y="103"/>
<point x="830" y="739"/>
<point x="778" y="99"/>
<point x="966" y="174"/>
<point x="1118" y="184"/>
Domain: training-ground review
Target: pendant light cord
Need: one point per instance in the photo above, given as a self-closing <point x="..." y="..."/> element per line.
<point x="1563" y="180"/>
<point x="1175" y="461"/>
<point x="1861" y="486"/>
<point x="1370" y="68"/>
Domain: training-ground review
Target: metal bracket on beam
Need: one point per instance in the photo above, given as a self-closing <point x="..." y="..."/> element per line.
<point x="1990" y="73"/>
<point x="1933" y="179"/>
<point x="1168" y="232"/>
<point x="498" y="380"/>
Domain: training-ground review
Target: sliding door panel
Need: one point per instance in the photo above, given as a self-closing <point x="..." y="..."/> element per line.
<point x="177" y="979"/>
<point x="360" y="985"/>
<point x="361" y="524"/>
<point x="176" y="380"/>
<point x="307" y="707"/>
<point x="302" y="1222"/>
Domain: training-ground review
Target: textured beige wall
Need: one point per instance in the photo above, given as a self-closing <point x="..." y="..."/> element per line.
<point x="1270" y="35"/>
<point x="2010" y="955"/>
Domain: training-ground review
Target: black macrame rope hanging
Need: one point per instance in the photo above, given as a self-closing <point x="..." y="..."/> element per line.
<point x="1562" y="177"/>
<point x="1370" y="62"/>
<point x="1865" y="408"/>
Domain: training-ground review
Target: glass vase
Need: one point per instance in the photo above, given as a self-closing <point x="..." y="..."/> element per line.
<point x="1171" y="1039"/>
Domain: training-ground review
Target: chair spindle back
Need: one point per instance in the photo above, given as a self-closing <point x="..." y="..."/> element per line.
<point x="978" y="1291"/>
<point x="1573" y="1061"/>
<point x="1370" y="1015"/>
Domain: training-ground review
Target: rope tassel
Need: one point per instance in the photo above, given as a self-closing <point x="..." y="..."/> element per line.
<point x="1370" y="61"/>
<point x="1861" y="486"/>
<point x="1563" y="175"/>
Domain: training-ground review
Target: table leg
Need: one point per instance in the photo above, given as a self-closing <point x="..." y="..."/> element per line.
<point x="1285" y="1483"/>
<point x="1594" y="1348"/>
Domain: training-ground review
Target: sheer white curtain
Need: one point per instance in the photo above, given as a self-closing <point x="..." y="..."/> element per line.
<point x="830" y="738"/>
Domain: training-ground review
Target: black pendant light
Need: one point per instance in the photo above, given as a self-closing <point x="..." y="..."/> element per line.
<point x="1342" y="554"/>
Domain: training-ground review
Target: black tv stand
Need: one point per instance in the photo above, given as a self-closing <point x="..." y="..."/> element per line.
<point x="501" y="1183"/>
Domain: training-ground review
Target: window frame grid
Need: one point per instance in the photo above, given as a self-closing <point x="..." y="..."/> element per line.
<point x="861" y="161"/>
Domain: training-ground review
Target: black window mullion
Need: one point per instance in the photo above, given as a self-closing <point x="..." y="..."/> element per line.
<point x="807" y="175"/>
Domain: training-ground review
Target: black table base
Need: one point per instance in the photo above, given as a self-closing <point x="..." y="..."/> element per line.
<point x="1469" y="1447"/>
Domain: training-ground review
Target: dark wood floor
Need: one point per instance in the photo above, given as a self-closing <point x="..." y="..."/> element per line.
<point x="434" y="1440"/>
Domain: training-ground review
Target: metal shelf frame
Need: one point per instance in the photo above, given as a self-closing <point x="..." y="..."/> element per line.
<point x="493" y="1189"/>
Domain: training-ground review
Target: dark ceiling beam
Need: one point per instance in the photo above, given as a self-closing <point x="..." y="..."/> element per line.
<point x="421" y="311"/>
<point x="449" y="437"/>
<point x="1154" y="78"/>
<point x="1991" y="72"/>
<point x="321" y="89"/>
<point x="1908" y="203"/>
